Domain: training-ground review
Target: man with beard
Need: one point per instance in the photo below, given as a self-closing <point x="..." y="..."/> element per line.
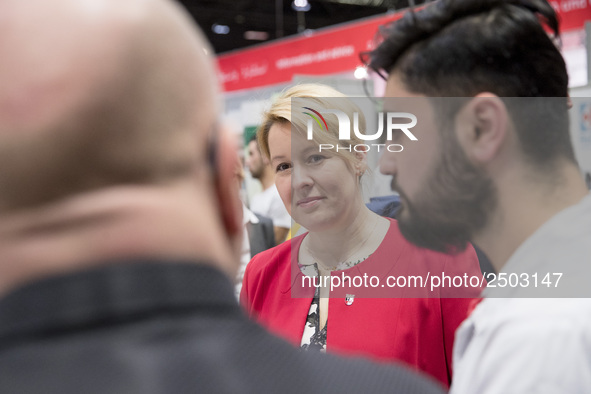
<point x="494" y="165"/>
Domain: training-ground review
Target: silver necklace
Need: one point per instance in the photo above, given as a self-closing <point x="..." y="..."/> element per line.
<point x="346" y="263"/>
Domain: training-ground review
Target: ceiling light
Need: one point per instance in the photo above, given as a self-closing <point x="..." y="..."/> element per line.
<point x="300" y="5"/>
<point x="220" y="29"/>
<point x="360" y="72"/>
<point x="256" y="35"/>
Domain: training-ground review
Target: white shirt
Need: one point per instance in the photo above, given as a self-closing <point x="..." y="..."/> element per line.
<point x="247" y="217"/>
<point x="534" y="345"/>
<point x="268" y="203"/>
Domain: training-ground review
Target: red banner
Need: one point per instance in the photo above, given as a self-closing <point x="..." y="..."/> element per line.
<point x="334" y="50"/>
<point x="329" y="51"/>
<point x="573" y="13"/>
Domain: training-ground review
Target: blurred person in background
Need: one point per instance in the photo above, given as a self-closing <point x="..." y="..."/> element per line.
<point x="268" y="202"/>
<point x="258" y="234"/>
<point x="120" y="223"/>
<point x="497" y="167"/>
<point x="322" y="192"/>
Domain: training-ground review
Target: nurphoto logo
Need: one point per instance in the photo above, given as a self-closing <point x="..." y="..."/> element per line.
<point x="395" y="121"/>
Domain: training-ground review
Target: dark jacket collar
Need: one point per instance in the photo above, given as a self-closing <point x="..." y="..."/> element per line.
<point x="113" y="292"/>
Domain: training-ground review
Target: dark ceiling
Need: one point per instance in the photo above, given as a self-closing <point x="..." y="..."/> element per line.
<point x="277" y="18"/>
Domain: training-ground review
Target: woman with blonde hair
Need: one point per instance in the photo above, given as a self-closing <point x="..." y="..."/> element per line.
<point x="290" y="288"/>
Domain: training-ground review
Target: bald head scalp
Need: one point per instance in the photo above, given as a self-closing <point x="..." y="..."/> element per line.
<point x="99" y="92"/>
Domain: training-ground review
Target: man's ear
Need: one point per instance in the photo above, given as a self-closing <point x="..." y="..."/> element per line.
<point x="482" y="127"/>
<point x="226" y="185"/>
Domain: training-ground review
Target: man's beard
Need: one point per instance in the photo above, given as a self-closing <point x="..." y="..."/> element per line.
<point x="452" y="207"/>
<point x="256" y="172"/>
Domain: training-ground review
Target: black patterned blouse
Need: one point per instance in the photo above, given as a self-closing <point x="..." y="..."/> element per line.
<point x="313" y="337"/>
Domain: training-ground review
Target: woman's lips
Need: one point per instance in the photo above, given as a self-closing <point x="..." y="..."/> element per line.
<point x="308" y="201"/>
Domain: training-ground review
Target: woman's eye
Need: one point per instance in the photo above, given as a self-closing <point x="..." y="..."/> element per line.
<point x="282" y="167"/>
<point x="315" y="158"/>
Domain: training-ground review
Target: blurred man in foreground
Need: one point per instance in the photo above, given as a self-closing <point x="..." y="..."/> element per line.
<point x="494" y="164"/>
<point x="120" y="220"/>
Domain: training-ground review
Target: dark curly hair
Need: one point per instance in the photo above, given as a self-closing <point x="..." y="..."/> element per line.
<point x="459" y="48"/>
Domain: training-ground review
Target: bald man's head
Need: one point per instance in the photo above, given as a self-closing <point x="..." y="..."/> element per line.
<point x="99" y="92"/>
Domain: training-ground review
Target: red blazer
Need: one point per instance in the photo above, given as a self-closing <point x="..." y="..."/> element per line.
<point x="417" y="331"/>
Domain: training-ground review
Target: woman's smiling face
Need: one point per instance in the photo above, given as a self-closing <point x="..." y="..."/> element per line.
<point x="319" y="189"/>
